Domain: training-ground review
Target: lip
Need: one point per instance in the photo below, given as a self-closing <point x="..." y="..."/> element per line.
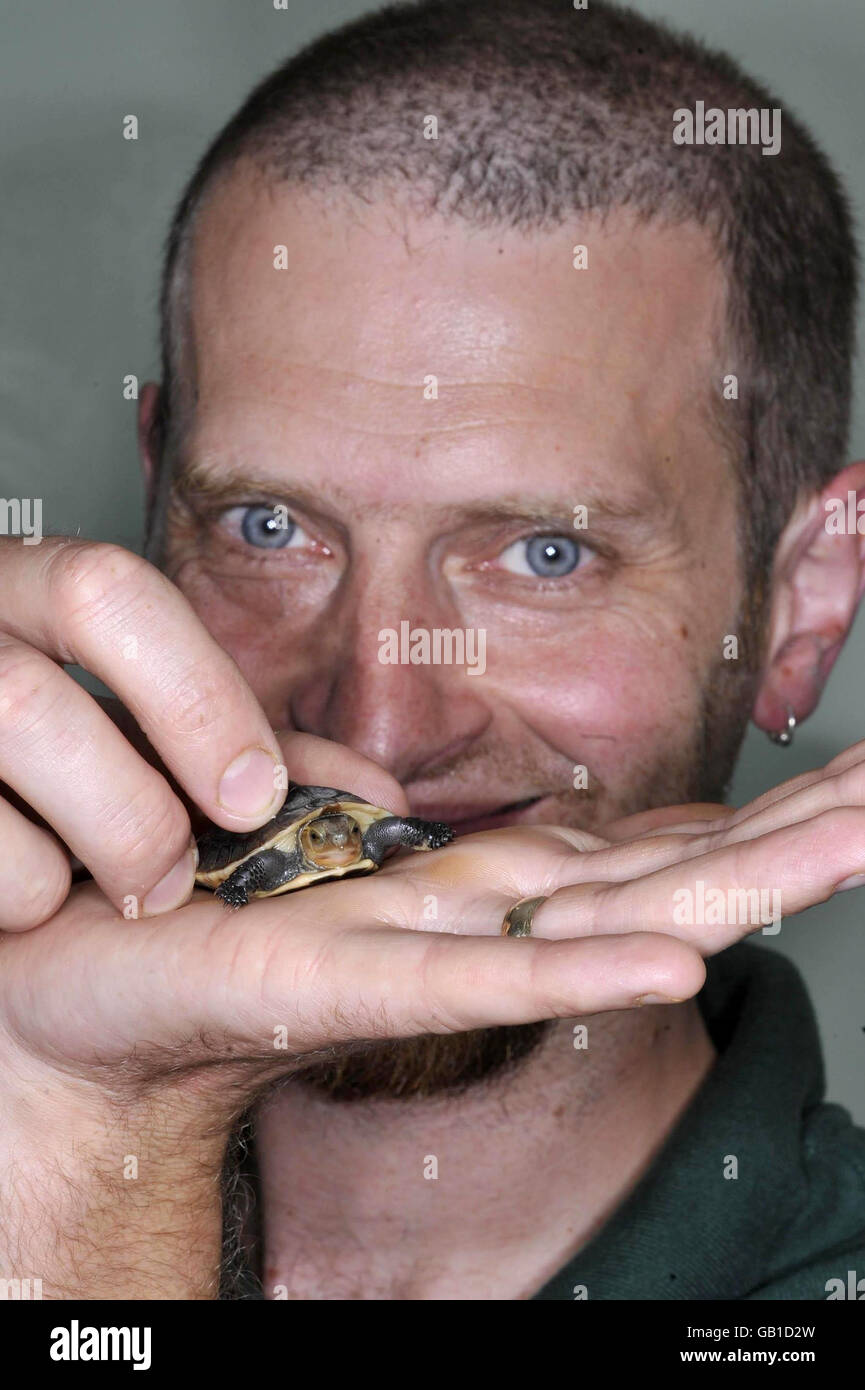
<point x="467" y="819"/>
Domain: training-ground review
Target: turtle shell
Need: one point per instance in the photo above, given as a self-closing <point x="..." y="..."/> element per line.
<point x="221" y="851"/>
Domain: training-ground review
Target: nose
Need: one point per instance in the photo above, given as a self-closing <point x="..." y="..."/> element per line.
<point x="406" y="717"/>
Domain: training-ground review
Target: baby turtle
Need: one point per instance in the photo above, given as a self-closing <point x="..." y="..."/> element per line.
<point x="319" y="833"/>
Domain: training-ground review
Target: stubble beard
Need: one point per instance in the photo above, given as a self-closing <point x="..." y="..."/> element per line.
<point x="436" y="1064"/>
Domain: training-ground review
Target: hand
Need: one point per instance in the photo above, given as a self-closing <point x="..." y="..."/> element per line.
<point x="124" y="1004"/>
<point x="128" y="1040"/>
<point x="804" y="839"/>
<point x="83" y="769"/>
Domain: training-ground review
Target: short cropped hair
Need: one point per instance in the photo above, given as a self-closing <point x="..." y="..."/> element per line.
<point x="545" y="112"/>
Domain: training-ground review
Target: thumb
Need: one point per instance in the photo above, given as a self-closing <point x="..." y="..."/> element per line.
<point x="327" y="764"/>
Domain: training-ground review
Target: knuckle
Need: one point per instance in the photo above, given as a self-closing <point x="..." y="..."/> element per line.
<point x="850" y="758"/>
<point x="639" y="950"/>
<point x="847" y="786"/>
<point x="86" y="582"/>
<point x="839" y="820"/>
<point x="199" y="701"/>
<point x="39" y="895"/>
<point x="702" y="842"/>
<point x="594" y="906"/>
<point x="149" y="829"/>
<point x="28" y="689"/>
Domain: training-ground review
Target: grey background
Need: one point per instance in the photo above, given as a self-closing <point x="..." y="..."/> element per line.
<point x="84" y="214"/>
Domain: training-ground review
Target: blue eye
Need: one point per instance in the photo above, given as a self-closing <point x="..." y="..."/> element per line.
<point x="265" y="528"/>
<point x="270" y="528"/>
<point x="544" y="557"/>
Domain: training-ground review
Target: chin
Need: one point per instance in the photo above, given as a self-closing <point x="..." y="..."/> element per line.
<point x="421" y="1068"/>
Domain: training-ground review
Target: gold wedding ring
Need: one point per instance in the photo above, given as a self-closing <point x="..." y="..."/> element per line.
<point x="518" y="919"/>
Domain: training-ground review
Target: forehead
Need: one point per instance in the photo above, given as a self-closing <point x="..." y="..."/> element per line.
<point x="349" y="319"/>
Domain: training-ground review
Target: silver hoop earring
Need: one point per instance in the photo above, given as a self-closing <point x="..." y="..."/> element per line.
<point x="784" y="737"/>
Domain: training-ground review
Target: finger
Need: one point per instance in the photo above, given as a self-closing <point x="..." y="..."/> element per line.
<point x="635" y="858"/>
<point x="720" y="897"/>
<point x="34" y="872"/>
<point x="545" y="857"/>
<point x="665" y="820"/>
<point x="384" y="984"/>
<point x="64" y="758"/>
<point x="840" y="783"/>
<point x="322" y="763"/>
<point x="114" y="614"/>
<point x="206" y="985"/>
<point x="305" y="758"/>
<point x="778" y="799"/>
<point x="711" y="815"/>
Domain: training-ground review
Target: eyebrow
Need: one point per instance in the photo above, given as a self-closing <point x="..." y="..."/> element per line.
<point x="225" y="486"/>
<point x="639" y="510"/>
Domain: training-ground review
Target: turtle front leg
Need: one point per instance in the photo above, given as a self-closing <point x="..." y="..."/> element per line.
<point x="261" y="873"/>
<point x="405" y="832"/>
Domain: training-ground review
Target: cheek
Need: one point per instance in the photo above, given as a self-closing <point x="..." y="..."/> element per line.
<point x="606" y="698"/>
<point x="256" y="623"/>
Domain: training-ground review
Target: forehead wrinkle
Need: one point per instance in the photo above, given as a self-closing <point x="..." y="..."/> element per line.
<point x="283" y="368"/>
<point x="369" y="408"/>
<point x="429" y="429"/>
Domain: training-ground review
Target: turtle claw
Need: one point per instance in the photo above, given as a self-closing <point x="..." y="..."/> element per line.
<point x="425" y="834"/>
<point x="437" y="834"/>
<point x="232" y="895"/>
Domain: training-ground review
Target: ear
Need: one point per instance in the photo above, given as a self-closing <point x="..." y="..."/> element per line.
<point x="818" y="580"/>
<point x="148" y="403"/>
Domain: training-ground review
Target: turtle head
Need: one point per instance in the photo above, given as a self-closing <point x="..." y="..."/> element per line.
<point x="332" y="841"/>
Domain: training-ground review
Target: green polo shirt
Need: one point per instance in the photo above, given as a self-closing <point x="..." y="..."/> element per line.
<point x="794" y="1216"/>
<point x="791" y="1219"/>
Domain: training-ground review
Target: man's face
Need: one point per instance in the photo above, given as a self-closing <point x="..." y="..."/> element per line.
<point x="450" y="504"/>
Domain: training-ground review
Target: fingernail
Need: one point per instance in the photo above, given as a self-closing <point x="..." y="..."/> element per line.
<point x="248" y="786"/>
<point x="173" y="890"/>
<point x="855" y="881"/>
<point x="656" y="999"/>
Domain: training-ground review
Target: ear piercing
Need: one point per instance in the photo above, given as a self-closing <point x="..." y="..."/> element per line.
<point x="784" y="737"/>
